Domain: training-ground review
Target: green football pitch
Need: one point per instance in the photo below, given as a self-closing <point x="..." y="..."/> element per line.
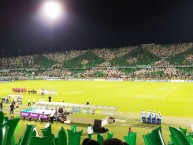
<point x="172" y="99"/>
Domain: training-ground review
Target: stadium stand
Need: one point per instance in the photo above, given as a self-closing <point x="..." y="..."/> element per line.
<point x="148" y="61"/>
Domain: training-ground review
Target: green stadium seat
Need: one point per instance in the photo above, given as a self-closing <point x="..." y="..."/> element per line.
<point x="13" y="140"/>
<point x="154" y="137"/>
<point x="12" y="123"/>
<point x="109" y="135"/>
<point x="62" y="137"/>
<point x="131" y="138"/>
<point x="183" y="130"/>
<point x="47" y="131"/>
<point x="40" y="141"/>
<point x="73" y="128"/>
<point x="147" y="139"/>
<point x="74" y="137"/>
<point x="27" y="134"/>
<point x="189" y="138"/>
<point x="3" y="134"/>
<point x="1" y="117"/>
<point x="100" y="138"/>
<point x="178" y="138"/>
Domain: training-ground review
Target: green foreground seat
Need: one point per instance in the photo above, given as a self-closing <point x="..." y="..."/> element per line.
<point x="47" y="131"/>
<point x="131" y="138"/>
<point x="177" y="137"/>
<point x="3" y="134"/>
<point x="183" y="130"/>
<point x="154" y="137"/>
<point x="100" y="138"/>
<point x="62" y="137"/>
<point x="109" y="135"/>
<point x="73" y="128"/>
<point x="40" y="141"/>
<point x="74" y="137"/>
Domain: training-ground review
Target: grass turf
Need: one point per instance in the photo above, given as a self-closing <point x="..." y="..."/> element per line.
<point x="172" y="99"/>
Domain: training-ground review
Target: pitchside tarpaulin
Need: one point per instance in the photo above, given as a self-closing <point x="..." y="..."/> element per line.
<point x="48" y="92"/>
<point x="78" y="108"/>
<point x="37" y="114"/>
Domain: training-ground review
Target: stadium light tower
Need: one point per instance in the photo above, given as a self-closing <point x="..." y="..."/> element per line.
<point x="52" y="10"/>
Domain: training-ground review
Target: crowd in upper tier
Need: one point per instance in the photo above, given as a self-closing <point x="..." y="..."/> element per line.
<point x="148" y="61"/>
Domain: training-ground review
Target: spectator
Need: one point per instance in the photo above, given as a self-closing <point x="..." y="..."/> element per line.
<point x="130" y="130"/>
<point x="112" y="141"/>
<point x="85" y="141"/>
<point x="88" y="141"/>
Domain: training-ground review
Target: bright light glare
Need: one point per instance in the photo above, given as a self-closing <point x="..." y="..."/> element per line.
<point x="52" y="9"/>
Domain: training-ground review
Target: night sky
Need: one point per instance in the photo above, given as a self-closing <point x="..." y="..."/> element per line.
<point x="88" y="24"/>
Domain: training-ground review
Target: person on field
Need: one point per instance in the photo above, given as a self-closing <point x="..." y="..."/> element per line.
<point x="16" y="105"/>
<point x="143" y="116"/>
<point x="89" y="131"/>
<point x="159" y="117"/>
<point x="51" y="116"/>
<point x="153" y="117"/>
<point x="149" y="116"/>
<point x="34" y="101"/>
<point x="12" y="109"/>
<point x="49" y="98"/>
<point x="29" y="102"/>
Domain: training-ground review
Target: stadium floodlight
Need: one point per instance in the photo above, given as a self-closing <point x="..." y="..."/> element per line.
<point x="52" y="9"/>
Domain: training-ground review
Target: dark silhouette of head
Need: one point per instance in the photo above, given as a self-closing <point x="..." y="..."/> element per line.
<point x="85" y="141"/>
<point x="88" y="141"/>
<point x="113" y="141"/>
<point x="92" y="142"/>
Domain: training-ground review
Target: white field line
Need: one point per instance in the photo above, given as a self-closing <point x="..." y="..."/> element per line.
<point x="171" y="91"/>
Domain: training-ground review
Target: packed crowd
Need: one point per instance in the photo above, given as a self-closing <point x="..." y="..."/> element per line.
<point x="167" y="50"/>
<point x="63" y="56"/>
<point x="16" y="62"/>
<point x="109" y="54"/>
<point x="167" y="73"/>
<point x="147" y="61"/>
